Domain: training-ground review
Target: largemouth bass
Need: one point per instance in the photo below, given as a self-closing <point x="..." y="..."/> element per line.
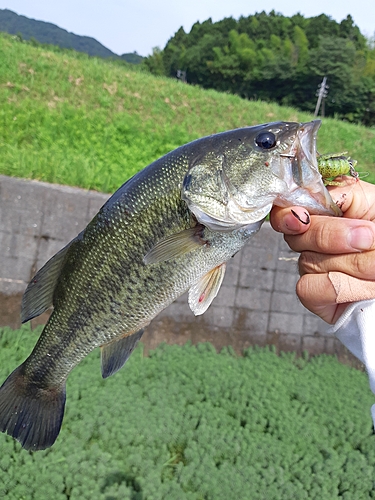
<point x="169" y="229"/>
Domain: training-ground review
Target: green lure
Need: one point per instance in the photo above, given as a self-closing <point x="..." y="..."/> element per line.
<point x="332" y="165"/>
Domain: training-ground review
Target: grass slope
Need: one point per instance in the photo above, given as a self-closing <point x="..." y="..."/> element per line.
<point x="71" y="119"/>
<point x="190" y="424"/>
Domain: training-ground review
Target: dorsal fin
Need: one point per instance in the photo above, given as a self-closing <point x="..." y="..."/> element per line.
<point x="115" y="354"/>
<point x="203" y="293"/>
<point x="39" y="292"/>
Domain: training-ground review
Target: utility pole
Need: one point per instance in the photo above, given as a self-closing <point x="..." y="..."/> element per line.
<point x="181" y="75"/>
<point x="322" y="94"/>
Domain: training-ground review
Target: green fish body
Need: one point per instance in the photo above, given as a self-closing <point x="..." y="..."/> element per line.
<point x="169" y="229"/>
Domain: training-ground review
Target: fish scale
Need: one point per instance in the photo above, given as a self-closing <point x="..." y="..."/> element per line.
<point x="169" y="229"/>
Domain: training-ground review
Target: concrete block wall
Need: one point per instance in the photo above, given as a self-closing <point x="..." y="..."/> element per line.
<point x="256" y="304"/>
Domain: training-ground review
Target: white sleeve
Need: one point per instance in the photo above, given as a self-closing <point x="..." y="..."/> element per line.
<point x="356" y="330"/>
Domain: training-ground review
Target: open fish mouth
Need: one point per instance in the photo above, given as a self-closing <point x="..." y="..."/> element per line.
<point x="306" y="136"/>
<point x="303" y="153"/>
<point x="307" y="187"/>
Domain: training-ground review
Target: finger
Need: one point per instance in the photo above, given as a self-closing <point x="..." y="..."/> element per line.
<point x="350" y="289"/>
<point x="328" y="294"/>
<point x="334" y="236"/>
<point x="355" y="198"/>
<point x="358" y="265"/>
<point x="318" y="295"/>
<point x="294" y="220"/>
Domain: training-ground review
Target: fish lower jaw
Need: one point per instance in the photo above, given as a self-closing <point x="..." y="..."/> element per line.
<point x="315" y="203"/>
<point x="233" y="218"/>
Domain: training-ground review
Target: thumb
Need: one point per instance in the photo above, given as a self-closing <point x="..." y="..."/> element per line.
<point x="355" y="198"/>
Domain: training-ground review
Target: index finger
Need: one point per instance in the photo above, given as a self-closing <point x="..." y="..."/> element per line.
<point x="294" y="220"/>
<point x="331" y="235"/>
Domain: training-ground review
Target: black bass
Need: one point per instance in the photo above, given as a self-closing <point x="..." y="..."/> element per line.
<point x="169" y="229"/>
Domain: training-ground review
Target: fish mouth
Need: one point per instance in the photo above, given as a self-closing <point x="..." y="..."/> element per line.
<point x="307" y="186"/>
<point x="307" y="135"/>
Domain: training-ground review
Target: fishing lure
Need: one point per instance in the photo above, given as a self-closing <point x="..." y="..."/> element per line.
<point x="332" y="165"/>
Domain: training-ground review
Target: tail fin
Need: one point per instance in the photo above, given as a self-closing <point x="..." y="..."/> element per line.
<point x="31" y="414"/>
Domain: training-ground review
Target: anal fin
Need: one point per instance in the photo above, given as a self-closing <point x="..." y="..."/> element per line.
<point x="203" y="293"/>
<point x="115" y="354"/>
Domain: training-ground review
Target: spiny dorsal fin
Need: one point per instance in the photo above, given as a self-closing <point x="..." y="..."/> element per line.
<point x="115" y="354"/>
<point x="176" y="245"/>
<point x="203" y="293"/>
<point x="39" y="292"/>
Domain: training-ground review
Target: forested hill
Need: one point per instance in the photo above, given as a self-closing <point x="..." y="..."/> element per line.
<point x="276" y="58"/>
<point x="48" y="33"/>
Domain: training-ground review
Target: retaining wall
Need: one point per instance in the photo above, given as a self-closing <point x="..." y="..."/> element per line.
<point x="256" y="304"/>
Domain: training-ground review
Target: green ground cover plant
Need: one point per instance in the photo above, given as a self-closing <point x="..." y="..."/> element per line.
<point x="72" y="119"/>
<point x="189" y="423"/>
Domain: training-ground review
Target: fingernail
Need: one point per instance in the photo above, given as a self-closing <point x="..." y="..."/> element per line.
<point x="307" y="221"/>
<point x="361" y="238"/>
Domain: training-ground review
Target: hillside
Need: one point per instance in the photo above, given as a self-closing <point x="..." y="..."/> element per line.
<point x="132" y="57"/>
<point x="280" y="59"/>
<point x="49" y="33"/>
<point x="72" y="119"/>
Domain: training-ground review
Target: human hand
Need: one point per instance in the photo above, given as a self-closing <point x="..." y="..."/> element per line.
<point x="337" y="261"/>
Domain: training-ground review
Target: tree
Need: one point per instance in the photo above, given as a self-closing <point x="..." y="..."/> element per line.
<point x="273" y="57"/>
<point x="301" y="48"/>
<point x="155" y="62"/>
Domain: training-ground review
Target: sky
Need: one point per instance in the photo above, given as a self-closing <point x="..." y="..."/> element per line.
<point x="140" y="25"/>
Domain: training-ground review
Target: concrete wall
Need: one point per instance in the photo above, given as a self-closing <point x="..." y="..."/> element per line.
<point x="256" y="304"/>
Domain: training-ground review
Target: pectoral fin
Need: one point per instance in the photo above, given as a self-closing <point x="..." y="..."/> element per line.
<point x="115" y="354"/>
<point x="203" y="293"/>
<point x="176" y="245"/>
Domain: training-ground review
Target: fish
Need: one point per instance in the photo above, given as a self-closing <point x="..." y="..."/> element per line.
<point x="169" y="229"/>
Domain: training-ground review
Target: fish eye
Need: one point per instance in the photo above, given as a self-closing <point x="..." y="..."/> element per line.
<point x="266" y="140"/>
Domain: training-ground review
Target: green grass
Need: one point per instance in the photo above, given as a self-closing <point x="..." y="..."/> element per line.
<point x="71" y="119"/>
<point x="187" y="423"/>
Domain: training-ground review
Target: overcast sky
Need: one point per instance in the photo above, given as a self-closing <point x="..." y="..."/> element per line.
<point x="139" y="25"/>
